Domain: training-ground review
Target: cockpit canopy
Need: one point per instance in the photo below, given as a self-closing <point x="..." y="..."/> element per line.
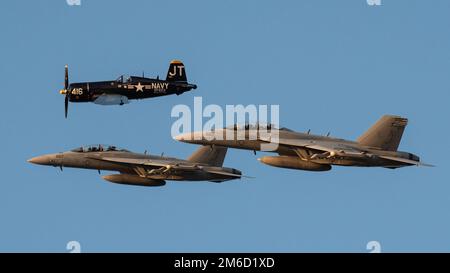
<point x="256" y="126"/>
<point x="123" y="79"/>
<point x="130" y="79"/>
<point x="286" y="129"/>
<point x="98" y="148"/>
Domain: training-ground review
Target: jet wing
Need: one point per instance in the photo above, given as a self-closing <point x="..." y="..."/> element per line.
<point x="149" y="162"/>
<point x="140" y="164"/>
<point x="132" y="161"/>
<point x="338" y="149"/>
<point x="324" y="146"/>
<point x="404" y="160"/>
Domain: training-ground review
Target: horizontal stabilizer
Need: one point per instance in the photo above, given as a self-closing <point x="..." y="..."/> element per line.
<point x="407" y="161"/>
<point x="222" y="173"/>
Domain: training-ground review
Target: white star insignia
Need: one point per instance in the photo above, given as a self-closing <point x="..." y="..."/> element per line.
<point x="139" y="87"/>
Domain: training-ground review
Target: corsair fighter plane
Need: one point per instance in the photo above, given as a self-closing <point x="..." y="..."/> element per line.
<point x="123" y="89"/>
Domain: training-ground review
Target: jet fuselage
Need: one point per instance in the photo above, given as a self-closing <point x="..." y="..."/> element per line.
<point x="251" y="139"/>
<point x="104" y="160"/>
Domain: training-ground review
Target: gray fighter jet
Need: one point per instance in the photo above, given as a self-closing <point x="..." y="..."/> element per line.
<point x="142" y="169"/>
<point x="377" y="147"/>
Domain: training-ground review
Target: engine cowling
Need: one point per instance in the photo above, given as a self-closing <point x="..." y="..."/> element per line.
<point x="128" y="179"/>
<point x="291" y="162"/>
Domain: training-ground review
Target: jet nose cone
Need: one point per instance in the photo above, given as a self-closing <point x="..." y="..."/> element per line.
<point x="184" y="137"/>
<point x="40" y="160"/>
<point x="178" y="138"/>
<point x="193" y="138"/>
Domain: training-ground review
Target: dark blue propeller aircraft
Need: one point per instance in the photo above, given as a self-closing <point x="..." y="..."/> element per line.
<point x="123" y="89"/>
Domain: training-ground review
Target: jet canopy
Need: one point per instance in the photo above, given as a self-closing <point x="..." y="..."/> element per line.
<point x="256" y="126"/>
<point x="98" y="148"/>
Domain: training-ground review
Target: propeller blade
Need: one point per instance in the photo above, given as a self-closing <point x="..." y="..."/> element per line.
<point x="66" y="105"/>
<point x="65" y="91"/>
<point x="66" y="77"/>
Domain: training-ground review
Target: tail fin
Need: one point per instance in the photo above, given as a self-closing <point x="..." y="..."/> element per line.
<point x="176" y="72"/>
<point x="211" y="155"/>
<point x="385" y="134"/>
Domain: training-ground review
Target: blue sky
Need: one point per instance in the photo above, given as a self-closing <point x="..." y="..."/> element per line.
<point x="331" y="66"/>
